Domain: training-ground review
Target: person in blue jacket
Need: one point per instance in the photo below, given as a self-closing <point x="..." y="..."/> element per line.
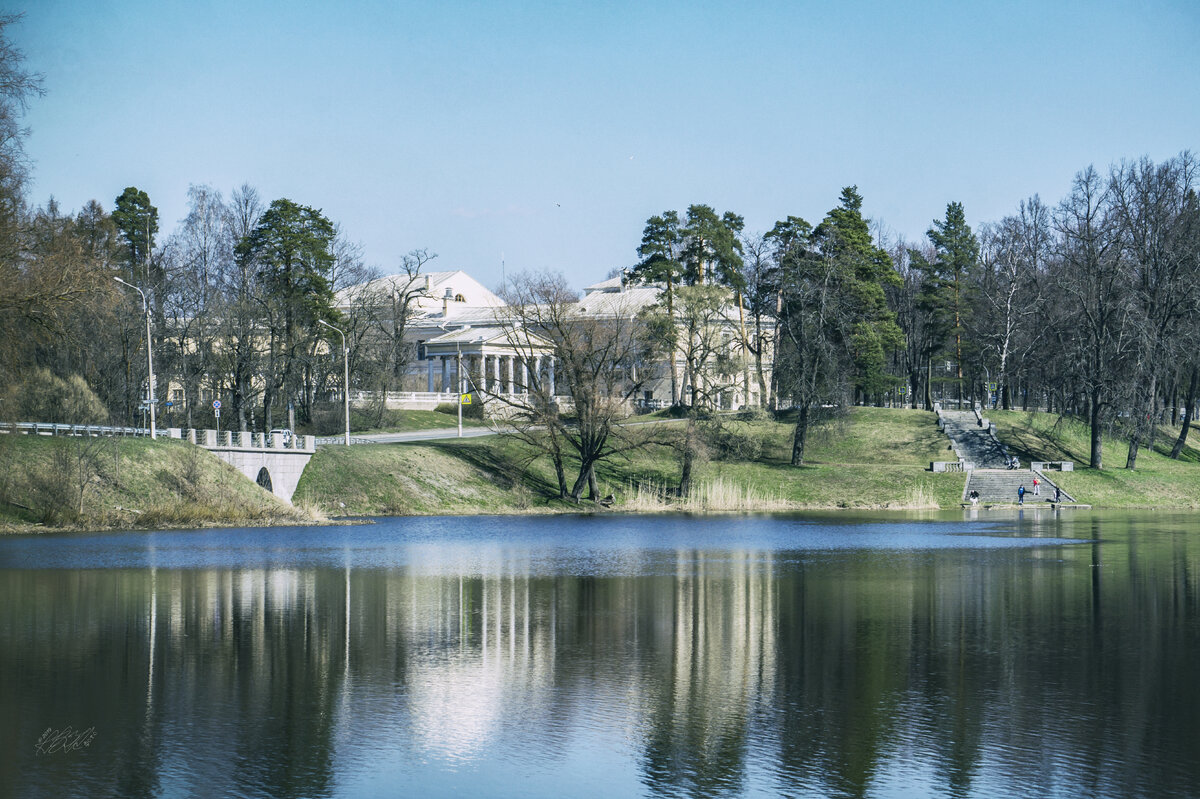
<point x="1021" y="495"/>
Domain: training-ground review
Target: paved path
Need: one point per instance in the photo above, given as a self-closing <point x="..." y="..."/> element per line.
<point x="442" y="433"/>
<point x="973" y="443"/>
<point x="415" y="435"/>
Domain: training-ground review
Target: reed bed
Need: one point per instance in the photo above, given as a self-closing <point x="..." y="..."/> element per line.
<point x="708" y="496"/>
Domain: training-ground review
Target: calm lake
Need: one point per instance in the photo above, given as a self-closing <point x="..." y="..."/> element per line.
<point x="816" y="655"/>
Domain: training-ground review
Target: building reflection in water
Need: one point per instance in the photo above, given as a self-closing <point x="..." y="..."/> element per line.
<point x="687" y="673"/>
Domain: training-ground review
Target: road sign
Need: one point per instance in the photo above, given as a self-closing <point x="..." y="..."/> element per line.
<point x="466" y="399"/>
<point x="170" y="404"/>
<point x="216" y="405"/>
<point x="991" y="386"/>
<point x="903" y="390"/>
<point x="217" y="412"/>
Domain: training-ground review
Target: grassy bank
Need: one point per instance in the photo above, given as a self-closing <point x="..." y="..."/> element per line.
<point x="394" y="420"/>
<point x="1157" y="482"/>
<point x="875" y="458"/>
<point x="112" y="483"/>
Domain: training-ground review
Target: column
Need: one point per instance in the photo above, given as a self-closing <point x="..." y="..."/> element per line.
<point x="497" y="386"/>
<point x="551" y="376"/>
<point x="511" y="388"/>
<point x="446" y="374"/>
<point x="537" y="368"/>
<point x="429" y="363"/>
<point x="524" y="376"/>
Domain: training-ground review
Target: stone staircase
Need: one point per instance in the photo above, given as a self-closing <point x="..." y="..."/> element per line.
<point x="999" y="486"/>
<point x="972" y="443"/>
<point x="995" y="483"/>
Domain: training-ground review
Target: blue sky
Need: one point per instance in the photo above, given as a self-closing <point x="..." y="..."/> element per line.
<point x="547" y="132"/>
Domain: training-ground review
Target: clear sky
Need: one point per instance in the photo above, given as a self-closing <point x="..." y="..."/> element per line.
<point x="547" y="132"/>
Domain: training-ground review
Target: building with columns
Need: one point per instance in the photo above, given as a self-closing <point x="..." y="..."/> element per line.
<point x="461" y="345"/>
<point x="485" y="360"/>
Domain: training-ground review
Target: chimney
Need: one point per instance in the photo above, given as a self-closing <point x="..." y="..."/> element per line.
<point x="428" y="284"/>
<point x="449" y="295"/>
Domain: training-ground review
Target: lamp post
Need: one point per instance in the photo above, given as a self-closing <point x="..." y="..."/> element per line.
<point x="149" y="351"/>
<point x="346" y="379"/>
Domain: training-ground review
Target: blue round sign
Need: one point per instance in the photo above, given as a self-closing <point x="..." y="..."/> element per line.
<point x="216" y="405"/>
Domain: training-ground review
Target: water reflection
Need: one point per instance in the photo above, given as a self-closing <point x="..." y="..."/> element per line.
<point x="695" y="671"/>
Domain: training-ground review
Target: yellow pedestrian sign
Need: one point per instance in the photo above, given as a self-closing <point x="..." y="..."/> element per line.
<point x="466" y="399"/>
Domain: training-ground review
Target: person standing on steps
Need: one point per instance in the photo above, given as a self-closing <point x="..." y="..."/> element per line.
<point x="1037" y="487"/>
<point x="1021" y="495"/>
<point x="1057" y="495"/>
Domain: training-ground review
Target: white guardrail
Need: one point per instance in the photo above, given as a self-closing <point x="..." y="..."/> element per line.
<point x="54" y="429"/>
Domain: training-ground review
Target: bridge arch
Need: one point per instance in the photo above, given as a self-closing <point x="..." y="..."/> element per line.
<point x="264" y="459"/>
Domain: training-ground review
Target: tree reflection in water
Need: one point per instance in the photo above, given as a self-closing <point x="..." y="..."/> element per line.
<point x="692" y="672"/>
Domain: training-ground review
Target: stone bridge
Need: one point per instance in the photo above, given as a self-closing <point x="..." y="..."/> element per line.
<point x="269" y="460"/>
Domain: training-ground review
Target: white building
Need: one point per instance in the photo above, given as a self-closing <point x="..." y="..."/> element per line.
<point x="454" y="325"/>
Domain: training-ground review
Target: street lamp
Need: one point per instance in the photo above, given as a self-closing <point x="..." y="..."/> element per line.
<point x="346" y="383"/>
<point x="149" y="350"/>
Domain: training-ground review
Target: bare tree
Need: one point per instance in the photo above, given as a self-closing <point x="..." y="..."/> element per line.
<point x="390" y="304"/>
<point x="1155" y="210"/>
<point x="1092" y="282"/>
<point x="1014" y="255"/>
<point x="598" y="362"/>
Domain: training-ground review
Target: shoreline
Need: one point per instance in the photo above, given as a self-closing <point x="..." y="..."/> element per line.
<point x="581" y="510"/>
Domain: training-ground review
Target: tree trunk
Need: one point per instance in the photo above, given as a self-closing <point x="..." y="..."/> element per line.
<point x="763" y="394"/>
<point x="1097" y="455"/>
<point x="586" y="479"/>
<point x="672" y="344"/>
<point x="800" y="435"/>
<point x="1189" y="410"/>
<point x="689" y="457"/>
<point x="745" y="352"/>
<point x="1135" y="439"/>
<point x="593" y="487"/>
<point x="929" y="382"/>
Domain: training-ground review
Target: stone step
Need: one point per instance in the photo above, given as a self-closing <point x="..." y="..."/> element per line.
<point x="1001" y="486"/>
<point x="972" y="443"/>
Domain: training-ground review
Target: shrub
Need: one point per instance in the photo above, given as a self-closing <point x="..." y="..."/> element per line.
<point x="753" y="414"/>
<point x="472" y="411"/>
<point x="732" y="442"/>
<point x="43" y="396"/>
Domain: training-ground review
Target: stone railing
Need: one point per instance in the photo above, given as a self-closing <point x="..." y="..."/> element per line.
<point x="951" y="466"/>
<point x="245" y="440"/>
<point x="1058" y="466"/>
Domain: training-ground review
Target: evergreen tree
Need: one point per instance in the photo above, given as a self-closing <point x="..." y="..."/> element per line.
<point x="864" y="270"/>
<point x="291" y="249"/>
<point x="712" y="251"/>
<point x="957" y="254"/>
<point x="137" y="220"/>
<point x="661" y="252"/>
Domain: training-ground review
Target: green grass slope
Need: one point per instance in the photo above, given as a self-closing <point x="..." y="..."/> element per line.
<point x="1157" y="482"/>
<point x="874" y="458"/>
<point x="125" y="482"/>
